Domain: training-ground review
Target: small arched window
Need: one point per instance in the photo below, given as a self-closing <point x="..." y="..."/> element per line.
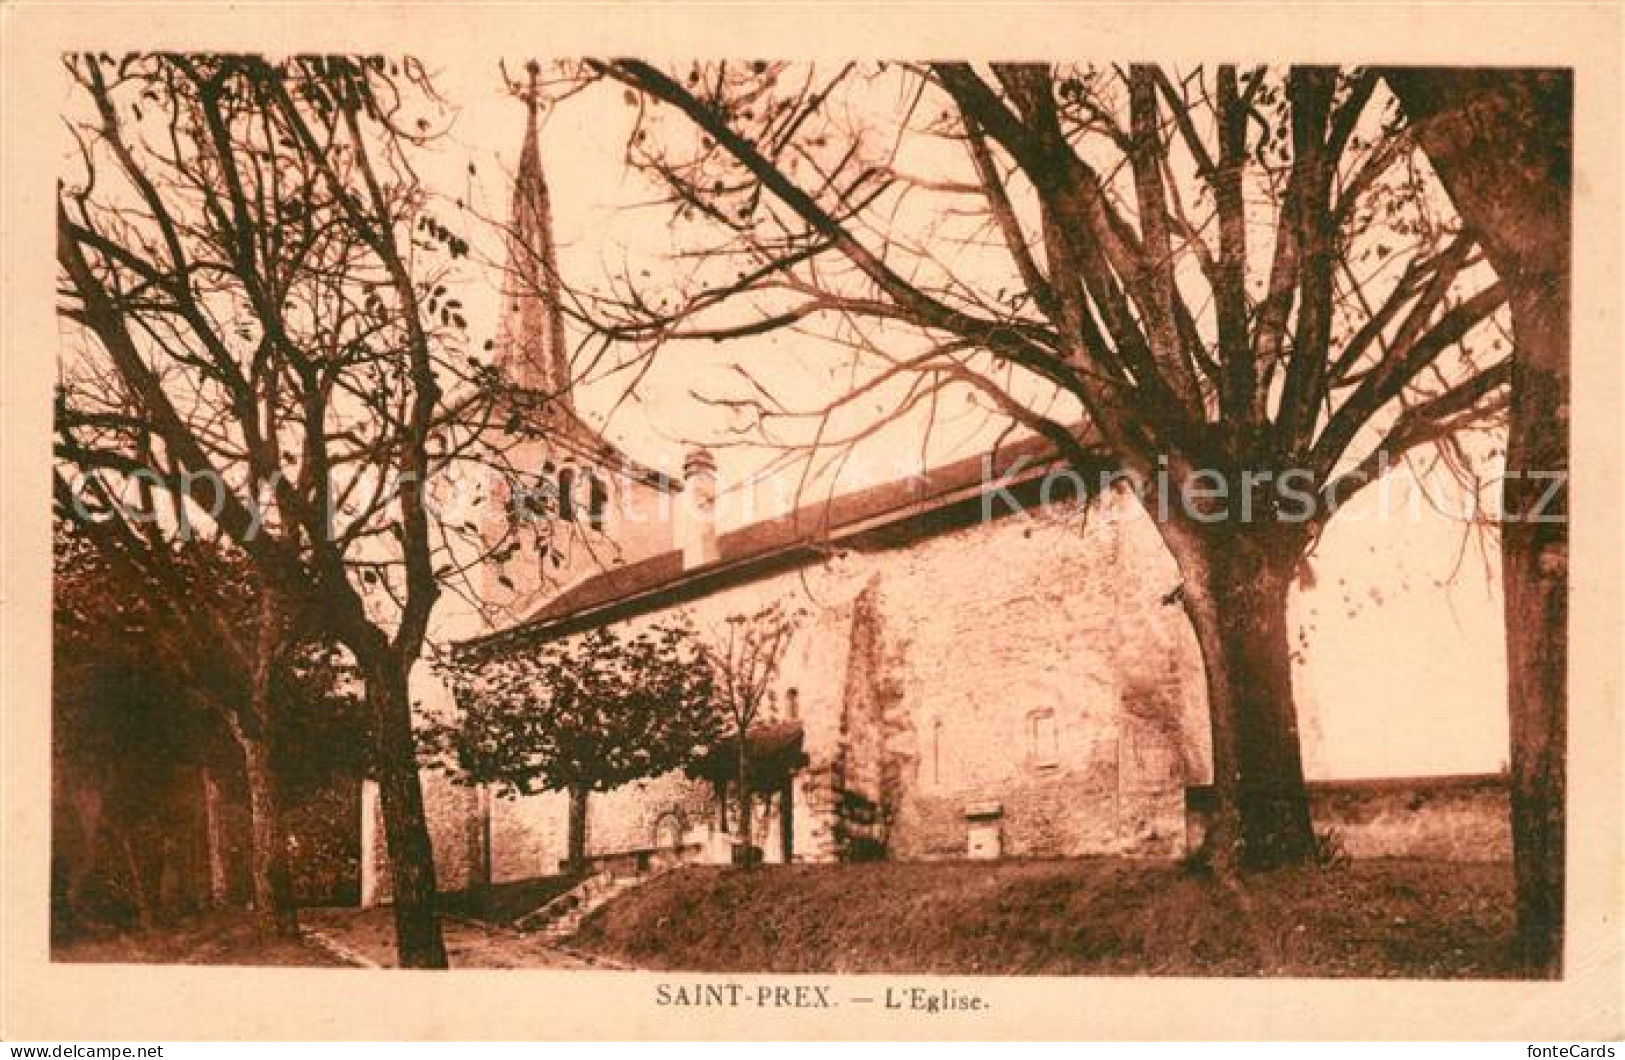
<point x="567" y="495"/>
<point x="597" y="502"/>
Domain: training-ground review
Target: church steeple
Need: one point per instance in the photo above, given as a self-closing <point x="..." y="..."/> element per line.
<point x="530" y="340"/>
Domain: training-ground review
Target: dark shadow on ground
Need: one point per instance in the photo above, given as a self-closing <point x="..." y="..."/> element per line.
<point x="503" y="903"/>
<point x="213" y="938"/>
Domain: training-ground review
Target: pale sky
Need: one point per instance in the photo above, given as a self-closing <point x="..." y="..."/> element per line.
<point x="1404" y="668"/>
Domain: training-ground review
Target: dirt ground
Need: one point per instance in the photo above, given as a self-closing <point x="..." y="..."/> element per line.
<point x="370" y="933"/>
<point x="222" y="938"/>
<point x="232" y="939"/>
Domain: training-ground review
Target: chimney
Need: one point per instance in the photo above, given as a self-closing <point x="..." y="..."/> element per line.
<point x="698" y="525"/>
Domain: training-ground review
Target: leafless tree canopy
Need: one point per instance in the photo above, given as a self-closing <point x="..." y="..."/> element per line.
<point x="1221" y="267"/>
<point x="1246" y="274"/>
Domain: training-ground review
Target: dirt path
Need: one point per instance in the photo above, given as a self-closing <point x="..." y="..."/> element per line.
<point x="216" y="938"/>
<point x="370" y="935"/>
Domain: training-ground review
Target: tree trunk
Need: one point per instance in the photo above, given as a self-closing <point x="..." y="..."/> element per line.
<point x="418" y="941"/>
<point x="577" y="856"/>
<point x="213" y="839"/>
<point x="273" y="893"/>
<point x="1502" y="144"/>
<point x="485" y="855"/>
<point x="139" y="896"/>
<point x="1235" y="590"/>
<point x="1534" y="564"/>
<point x="173" y="897"/>
<point x="787" y="820"/>
<point x="743" y="779"/>
<point x="252" y="727"/>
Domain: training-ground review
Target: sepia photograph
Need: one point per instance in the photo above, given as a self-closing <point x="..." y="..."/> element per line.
<point x="726" y="518"/>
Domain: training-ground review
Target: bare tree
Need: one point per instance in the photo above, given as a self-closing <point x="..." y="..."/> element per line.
<point x="745" y="655"/>
<point x="1238" y="280"/>
<point x="259" y="272"/>
<point x="1501" y="142"/>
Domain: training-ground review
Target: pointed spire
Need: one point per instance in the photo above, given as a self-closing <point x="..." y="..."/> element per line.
<point x="531" y="339"/>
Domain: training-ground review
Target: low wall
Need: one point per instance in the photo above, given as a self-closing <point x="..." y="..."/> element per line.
<point x="1448" y="818"/>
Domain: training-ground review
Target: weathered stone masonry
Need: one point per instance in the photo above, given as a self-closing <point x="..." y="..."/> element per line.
<point x="1025" y="671"/>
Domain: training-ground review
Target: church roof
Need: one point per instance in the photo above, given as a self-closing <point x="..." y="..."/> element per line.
<point x="888" y="515"/>
<point x="774" y="750"/>
<point x="532" y="343"/>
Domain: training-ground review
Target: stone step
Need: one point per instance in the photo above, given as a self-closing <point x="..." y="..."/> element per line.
<point x="561" y="917"/>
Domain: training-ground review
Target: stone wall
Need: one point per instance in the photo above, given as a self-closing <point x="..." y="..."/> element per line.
<point x="1031" y="679"/>
<point x="456" y="831"/>
<point x="529" y="835"/>
<point x="1032" y="662"/>
<point x="1046" y="676"/>
<point x="1460" y="818"/>
<point x="1444" y="818"/>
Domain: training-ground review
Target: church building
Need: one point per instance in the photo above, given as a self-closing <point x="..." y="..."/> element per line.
<point x="993" y="660"/>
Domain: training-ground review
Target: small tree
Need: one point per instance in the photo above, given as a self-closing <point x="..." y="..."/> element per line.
<point x="579" y="716"/>
<point x="745" y="658"/>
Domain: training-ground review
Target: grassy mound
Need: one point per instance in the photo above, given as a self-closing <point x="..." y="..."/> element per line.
<point x="1077" y="917"/>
